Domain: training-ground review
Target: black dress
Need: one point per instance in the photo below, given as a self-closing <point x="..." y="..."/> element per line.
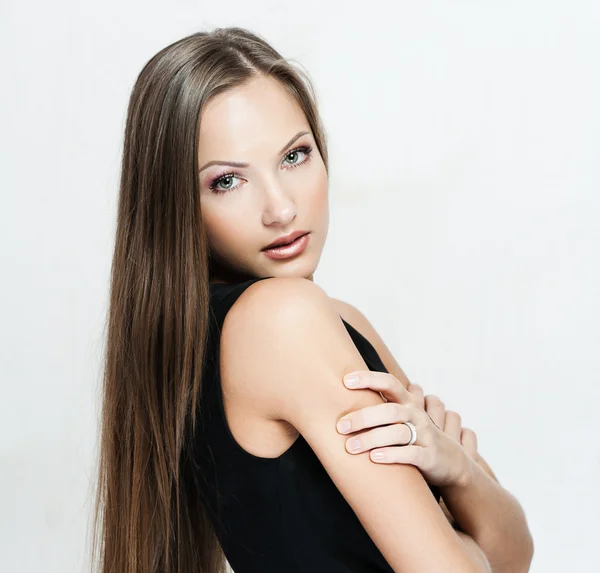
<point x="275" y="515"/>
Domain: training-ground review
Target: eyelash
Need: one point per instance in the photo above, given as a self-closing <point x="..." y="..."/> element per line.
<point x="307" y="149"/>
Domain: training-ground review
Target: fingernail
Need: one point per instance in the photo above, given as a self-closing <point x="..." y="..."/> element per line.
<point x="354" y="445"/>
<point x="378" y="455"/>
<point x="351" y="380"/>
<point x="344" y="426"/>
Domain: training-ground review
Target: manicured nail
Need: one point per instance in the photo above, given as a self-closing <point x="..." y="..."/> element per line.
<point x="351" y="380"/>
<point x="378" y="455"/>
<point x="344" y="426"/>
<point x="354" y="445"/>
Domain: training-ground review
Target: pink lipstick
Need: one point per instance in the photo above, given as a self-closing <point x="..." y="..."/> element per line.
<point x="288" y="250"/>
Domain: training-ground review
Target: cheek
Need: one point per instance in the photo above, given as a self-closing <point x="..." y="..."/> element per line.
<point x="219" y="227"/>
<point x="319" y="195"/>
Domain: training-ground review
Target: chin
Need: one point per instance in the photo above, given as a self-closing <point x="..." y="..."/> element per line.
<point x="298" y="269"/>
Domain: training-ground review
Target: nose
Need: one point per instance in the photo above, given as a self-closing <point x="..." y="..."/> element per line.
<point x="279" y="207"/>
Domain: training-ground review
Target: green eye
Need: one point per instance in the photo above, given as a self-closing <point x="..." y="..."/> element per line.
<point x="224" y="179"/>
<point x="293" y="154"/>
<point x="224" y="183"/>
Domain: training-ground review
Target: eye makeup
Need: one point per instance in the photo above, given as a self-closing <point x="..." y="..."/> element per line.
<point x="213" y="185"/>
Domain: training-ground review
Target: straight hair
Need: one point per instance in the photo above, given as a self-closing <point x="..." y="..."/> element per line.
<point x="148" y="517"/>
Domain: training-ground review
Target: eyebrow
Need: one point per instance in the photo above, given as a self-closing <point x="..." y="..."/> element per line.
<point x="238" y="164"/>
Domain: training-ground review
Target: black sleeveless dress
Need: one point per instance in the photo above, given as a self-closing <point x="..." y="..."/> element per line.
<point x="275" y="515"/>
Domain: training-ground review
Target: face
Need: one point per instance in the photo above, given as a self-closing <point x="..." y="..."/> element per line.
<point x="261" y="178"/>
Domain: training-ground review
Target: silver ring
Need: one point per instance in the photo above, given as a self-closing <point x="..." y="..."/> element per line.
<point x="413" y="433"/>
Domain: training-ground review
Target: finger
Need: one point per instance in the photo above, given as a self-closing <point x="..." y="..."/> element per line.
<point x="436" y="410"/>
<point x="376" y="415"/>
<point x="452" y="425"/>
<point x="418" y="393"/>
<point x="413" y="455"/>
<point x="392" y="435"/>
<point x="468" y="439"/>
<point x="387" y="384"/>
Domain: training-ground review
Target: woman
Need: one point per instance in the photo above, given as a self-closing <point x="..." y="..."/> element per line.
<point x="223" y="402"/>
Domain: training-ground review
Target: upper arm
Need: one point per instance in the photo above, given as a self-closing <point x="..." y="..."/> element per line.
<point x="359" y="321"/>
<point x="289" y="352"/>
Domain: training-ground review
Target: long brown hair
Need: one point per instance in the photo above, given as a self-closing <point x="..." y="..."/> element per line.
<point x="147" y="518"/>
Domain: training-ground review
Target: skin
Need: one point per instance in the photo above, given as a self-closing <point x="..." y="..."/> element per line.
<point x="283" y="189"/>
<point x="279" y="192"/>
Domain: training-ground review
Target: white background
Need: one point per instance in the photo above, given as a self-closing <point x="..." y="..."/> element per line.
<point x="464" y="143"/>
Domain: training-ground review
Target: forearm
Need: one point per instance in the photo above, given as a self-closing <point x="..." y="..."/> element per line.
<point x="486" y="468"/>
<point x="493" y="517"/>
<point x="476" y="552"/>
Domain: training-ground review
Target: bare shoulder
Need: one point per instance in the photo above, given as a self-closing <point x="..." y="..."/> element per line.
<point x="360" y="322"/>
<point x="286" y="346"/>
<point x="278" y="293"/>
<point x="265" y="335"/>
<point x="266" y="307"/>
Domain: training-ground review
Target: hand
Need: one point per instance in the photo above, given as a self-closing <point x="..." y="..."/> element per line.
<point x="440" y="456"/>
<point x="450" y="422"/>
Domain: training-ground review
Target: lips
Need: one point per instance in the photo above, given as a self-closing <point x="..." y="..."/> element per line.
<point x="285" y="240"/>
<point x="289" y="251"/>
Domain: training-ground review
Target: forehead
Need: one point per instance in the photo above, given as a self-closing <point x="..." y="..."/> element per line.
<point x="258" y="113"/>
